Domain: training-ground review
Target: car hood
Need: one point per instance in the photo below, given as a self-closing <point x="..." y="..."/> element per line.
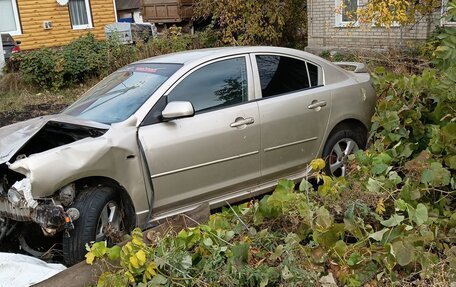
<point x="15" y="136"/>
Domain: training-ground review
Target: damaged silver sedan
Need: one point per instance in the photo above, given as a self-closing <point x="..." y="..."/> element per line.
<point x="163" y="135"/>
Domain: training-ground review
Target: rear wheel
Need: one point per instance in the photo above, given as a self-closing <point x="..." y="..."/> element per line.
<point x="101" y="218"/>
<point x="339" y="146"/>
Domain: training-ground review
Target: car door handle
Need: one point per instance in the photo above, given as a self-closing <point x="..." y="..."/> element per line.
<point x="242" y="122"/>
<point x="315" y="104"/>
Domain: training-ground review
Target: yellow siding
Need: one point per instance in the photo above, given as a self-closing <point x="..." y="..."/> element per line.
<point x="34" y="12"/>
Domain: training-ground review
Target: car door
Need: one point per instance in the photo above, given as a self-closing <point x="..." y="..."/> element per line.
<point x="214" y="153"/>
<point x="294" y="111"/>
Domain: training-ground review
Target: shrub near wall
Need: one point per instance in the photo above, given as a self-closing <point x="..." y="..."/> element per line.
<point x="56" y="68"/>
<point x="87" y="58"/>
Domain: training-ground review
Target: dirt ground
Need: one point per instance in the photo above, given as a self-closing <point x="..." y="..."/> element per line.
<point x="28" y="112"/>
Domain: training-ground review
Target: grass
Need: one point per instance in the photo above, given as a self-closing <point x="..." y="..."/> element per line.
<point x="20" y="101"/>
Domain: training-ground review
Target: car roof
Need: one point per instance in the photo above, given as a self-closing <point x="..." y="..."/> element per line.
<point x="187" y="57"/>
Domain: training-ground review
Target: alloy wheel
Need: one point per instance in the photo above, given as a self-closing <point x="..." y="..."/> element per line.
<point x="339" y="156"/>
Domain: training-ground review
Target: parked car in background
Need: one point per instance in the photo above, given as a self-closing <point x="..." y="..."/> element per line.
<point x="10" y="46"/>
<point x="163" y="135"/>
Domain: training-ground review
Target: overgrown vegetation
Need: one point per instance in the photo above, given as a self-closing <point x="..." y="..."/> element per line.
<point x="390" y="222"/>
<point x="88" y="58"/>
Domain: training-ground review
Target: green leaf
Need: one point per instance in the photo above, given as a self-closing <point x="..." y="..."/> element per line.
<point x="158" y="280"/>
<point x="267" y="210"/>
<point x="240" y="253"/>
<point x="394" y="220"/>
<point x="305" y="185"/>
<point x="114" y="253"/>
<point x="436" y="175"/>
<point x="285" y="185"/>
<point x="286" y="274"/>
<point x="382" y="158"/>
<point x="421" y="214"/>
<point x="403" y="252"/>
<point x="186" y="262"/>
<point x="99" y="249"/>
<point x="324" y="219"/>
<point x="379" y="168"/>
<point x="208" y="241"/>
<point x="340" y="248"/>
<point x="450" y="161"/>
<point x="374" y="185"/>
<point x="354" y="259"/>
<point x="379" y="234"/>
<point x="277" y="253"/>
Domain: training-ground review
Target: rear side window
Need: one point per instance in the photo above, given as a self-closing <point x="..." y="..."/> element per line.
<point x="216" y="85"/>
<point x="313" y="74"/>
<point x="280" y="75"/>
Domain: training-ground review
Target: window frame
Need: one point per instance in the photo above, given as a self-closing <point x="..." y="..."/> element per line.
<point x="89" y="17"/>
<point x="443" y="12"/>
<point x="17" y="19"/>
<point x="339" y="22"/>
<point x="256" y="72"/>
<point x="249" y="72"/>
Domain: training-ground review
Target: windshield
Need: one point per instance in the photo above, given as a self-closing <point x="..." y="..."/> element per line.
<point x="120" y="94"/>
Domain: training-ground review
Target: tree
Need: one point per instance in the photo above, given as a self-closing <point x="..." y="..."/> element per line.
<point x="390" y="12"/>
<point x="252" y="22"/>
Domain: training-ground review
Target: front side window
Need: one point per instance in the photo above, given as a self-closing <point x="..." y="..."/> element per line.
<point x="346" y="12"/>
<point x="119" y="95"/>
<point x="220" y="84"/>
<point x="80" y="14"/>
<point x="9" y="19"/>
<point x="281" y="75"/>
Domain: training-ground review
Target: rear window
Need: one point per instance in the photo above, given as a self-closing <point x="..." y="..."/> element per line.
<point x="119" y="95"/>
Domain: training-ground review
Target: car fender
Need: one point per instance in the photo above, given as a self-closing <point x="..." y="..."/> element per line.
<point x="114" y="155"/>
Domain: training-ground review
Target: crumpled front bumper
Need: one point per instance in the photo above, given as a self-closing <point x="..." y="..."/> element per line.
<point x="48" y="216"/>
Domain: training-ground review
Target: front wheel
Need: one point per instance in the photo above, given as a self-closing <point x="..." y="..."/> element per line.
<point x="339" y="146"/>
<point x="101" y="218"/>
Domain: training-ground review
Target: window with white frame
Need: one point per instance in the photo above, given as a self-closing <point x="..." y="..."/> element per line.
<point x="445" y="20"/>
<point x="346" y="12"/>
<point x="9" y="19"/>
<point x="80" y="14"/>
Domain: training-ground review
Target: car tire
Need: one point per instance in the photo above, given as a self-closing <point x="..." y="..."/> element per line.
<point x="340" y="144"/>
<point x="99" y="207"/>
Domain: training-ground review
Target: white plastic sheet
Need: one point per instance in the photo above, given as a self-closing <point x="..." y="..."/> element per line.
<point x="17" y="270"/>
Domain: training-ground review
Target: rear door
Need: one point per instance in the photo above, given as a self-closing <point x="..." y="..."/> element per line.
<point x="294" y="111"/>
<point x="214" y="153"/>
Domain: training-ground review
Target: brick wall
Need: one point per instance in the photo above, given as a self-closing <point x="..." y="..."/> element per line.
<point x="325" y="35"/>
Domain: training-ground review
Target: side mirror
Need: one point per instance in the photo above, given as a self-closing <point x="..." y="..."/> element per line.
<point x="177" y="110"/>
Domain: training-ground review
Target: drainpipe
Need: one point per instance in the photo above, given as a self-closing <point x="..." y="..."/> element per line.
<point x="2" y="57"/>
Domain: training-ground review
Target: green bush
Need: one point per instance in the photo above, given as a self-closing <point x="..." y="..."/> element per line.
<point x="84" y="58"/>
<point x="389" y="223"/>
<point x="43" y="67"/>
<point x="87" y="58"/>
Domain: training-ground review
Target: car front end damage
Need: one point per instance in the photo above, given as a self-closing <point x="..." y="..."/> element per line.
<point x="18" y="203"/>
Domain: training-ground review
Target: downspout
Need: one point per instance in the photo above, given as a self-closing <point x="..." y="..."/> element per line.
<point x="2" y="57"/>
